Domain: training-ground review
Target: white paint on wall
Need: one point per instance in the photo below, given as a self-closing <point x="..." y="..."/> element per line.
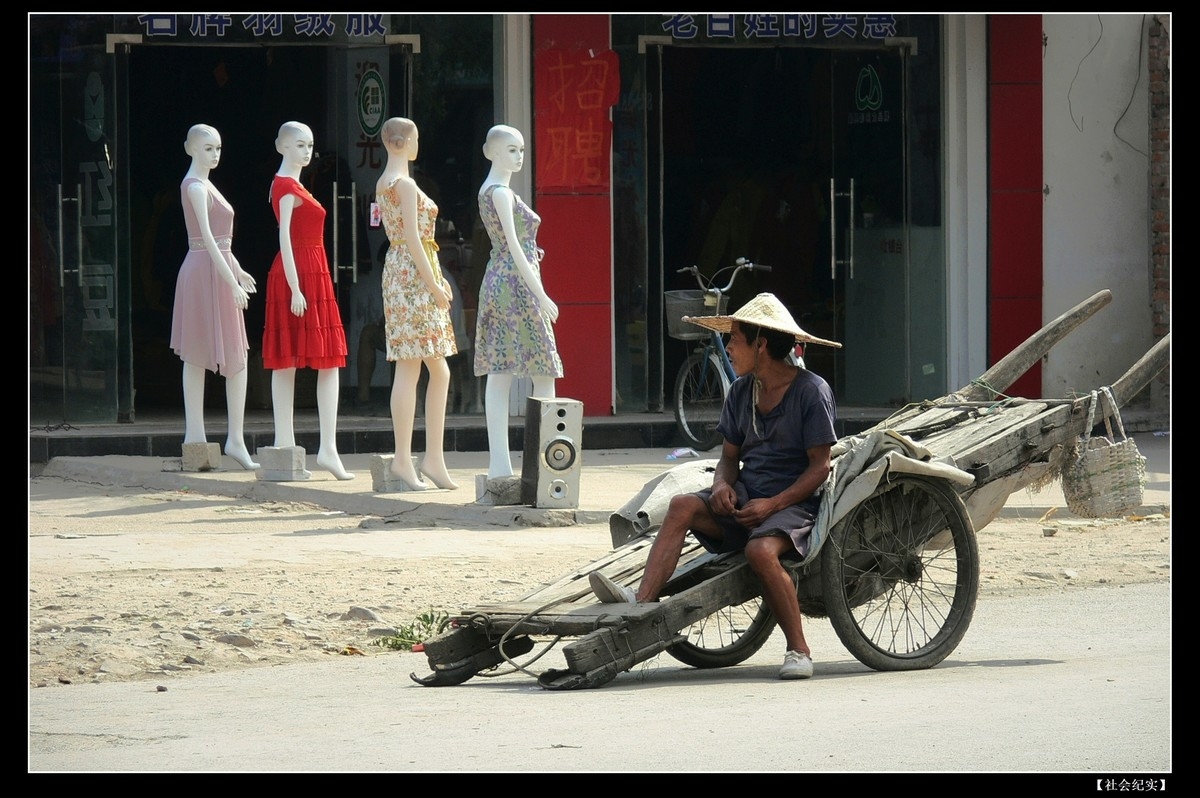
<point x="1096" y="168"/>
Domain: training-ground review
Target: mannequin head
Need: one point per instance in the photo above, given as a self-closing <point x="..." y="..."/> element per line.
<point x="505" y="146"/>
<point x="400" y="134"/>
<point x="203" y="143"/>
<point x="295" y="143"/>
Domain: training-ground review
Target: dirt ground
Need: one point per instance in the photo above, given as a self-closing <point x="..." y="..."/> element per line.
<point x="131" y="584"/>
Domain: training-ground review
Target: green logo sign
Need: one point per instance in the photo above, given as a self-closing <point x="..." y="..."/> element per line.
<point x="868" y="95"/>
<point x="372" y="100"/>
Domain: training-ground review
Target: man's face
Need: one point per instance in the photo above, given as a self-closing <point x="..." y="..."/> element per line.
<point x="741" y="352"/>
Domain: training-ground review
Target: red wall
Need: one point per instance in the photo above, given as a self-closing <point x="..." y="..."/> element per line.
<point x="1015" y="189"/>
<point x="576" y="230"/>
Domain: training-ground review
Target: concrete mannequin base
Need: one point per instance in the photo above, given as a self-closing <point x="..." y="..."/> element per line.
<point x="281" y="464"/>
<point x="382" y="478"/>
<point x="502" y="490"/>
<point x="201" y="456"/>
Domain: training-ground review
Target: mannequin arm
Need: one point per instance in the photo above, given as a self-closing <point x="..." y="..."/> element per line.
<point x="199" y="197"/>
<point x="502" y="197"/>
<point x="406" y="188"/>
<point x="287" y="204"/>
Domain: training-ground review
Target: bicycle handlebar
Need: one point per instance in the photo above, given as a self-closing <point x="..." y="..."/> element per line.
<point x="739" y="265"/>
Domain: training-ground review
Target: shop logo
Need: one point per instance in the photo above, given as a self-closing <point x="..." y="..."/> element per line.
<point x="372" y="99"/>
<point x="868" y="94"/>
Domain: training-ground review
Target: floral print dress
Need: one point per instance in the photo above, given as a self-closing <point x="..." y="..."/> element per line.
<point x="512" y="334"/>
<point x="415" y="326"/>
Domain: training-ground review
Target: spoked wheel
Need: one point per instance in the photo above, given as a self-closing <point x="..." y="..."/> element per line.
<point x="700" y="390"/>
<point x="900" y="575"/>
<point x="728" y="637"/>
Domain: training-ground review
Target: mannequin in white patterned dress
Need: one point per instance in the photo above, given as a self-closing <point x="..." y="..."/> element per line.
<point x="416" y="306"/>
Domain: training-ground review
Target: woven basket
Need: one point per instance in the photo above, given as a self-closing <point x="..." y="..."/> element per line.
<point x="1104" y="477"/>
<point x="690" y="302"/>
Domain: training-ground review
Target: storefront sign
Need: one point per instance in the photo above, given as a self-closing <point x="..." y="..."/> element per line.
<point x="220" y="25"/>
<point x="574" y="90"/>
<point x="780" y="26"/>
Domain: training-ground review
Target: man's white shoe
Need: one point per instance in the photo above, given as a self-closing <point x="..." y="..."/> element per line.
<point x="609" y="591"/>
<point x="796" y="665"/>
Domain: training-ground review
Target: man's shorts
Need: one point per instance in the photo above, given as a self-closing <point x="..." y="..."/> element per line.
<point x="795" y="523"/>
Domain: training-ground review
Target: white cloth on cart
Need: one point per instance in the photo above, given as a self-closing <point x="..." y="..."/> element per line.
<point x="861" y="463"/>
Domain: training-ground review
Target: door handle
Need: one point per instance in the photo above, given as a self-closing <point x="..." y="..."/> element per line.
<point x="337" y="266"/>
<point x="848" y="261"/>
<point x="62" y="269"/>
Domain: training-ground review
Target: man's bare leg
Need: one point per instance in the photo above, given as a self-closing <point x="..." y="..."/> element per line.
<point x="685" y="512"/>
<point x="778" y="589"/>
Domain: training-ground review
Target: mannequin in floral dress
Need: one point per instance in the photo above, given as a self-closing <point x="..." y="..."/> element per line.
<point x="416" y="306"/>
<point x="514" y="333"/>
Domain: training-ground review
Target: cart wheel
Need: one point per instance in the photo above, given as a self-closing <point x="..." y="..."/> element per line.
<point x="700" y="390"/>
<point x="728" y="637"/>
<point x="900" y="575"/>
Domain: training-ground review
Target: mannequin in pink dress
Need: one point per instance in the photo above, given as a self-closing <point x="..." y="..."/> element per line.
<point x="208" y="330"/>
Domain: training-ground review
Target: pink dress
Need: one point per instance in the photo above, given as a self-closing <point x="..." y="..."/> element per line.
<point x="207" y="327"/>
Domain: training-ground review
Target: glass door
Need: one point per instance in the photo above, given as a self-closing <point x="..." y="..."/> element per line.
<point x="365" y="86"/>
<point x="75" y="329"/>
<point x="869" y="234"/>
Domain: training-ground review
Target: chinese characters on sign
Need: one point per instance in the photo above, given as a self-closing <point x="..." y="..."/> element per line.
<point x="575" y="90"/>
<point x="780" y="26"/>
<point x="217" y="25"/>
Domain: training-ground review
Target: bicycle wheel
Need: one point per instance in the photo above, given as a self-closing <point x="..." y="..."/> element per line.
<point x="728" y="637"/>
<point x="700" y="390"/>
<point x="900" y="575"/>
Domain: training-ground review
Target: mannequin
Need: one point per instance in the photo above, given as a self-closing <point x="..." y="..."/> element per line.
<point x="208" y="329"/>
<point x="416" y="306"/>
<point x="514" y="335"/>
<point x="303" y="325"/>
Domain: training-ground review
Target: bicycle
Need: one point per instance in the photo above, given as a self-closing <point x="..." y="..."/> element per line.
<point x="704" y="378"/>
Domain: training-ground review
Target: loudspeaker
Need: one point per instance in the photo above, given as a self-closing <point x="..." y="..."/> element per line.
<point x="553" y="452"/>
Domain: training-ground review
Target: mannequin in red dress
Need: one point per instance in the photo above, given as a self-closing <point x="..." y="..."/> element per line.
<point x="303" y="326"/>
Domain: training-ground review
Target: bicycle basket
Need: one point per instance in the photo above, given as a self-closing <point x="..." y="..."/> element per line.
<point x="690" y="302"/>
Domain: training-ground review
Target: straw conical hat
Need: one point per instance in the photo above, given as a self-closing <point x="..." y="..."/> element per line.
<point x="765" y="310"/>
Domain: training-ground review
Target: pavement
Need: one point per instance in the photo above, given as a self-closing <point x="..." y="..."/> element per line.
<point x="606" y="480"/>
<point x="364" y="714"/>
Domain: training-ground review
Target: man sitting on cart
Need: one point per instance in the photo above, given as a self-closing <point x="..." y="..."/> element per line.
<point x="778" y="427"/>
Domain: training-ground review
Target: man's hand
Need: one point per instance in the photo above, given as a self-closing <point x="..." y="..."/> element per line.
<point x="724" y="499"/>
<point x="754" y="512"/>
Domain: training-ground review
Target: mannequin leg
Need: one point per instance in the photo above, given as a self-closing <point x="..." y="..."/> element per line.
<point x="283" y="395"/>
<point x="193" y="404"/>
<point x="433" y="465"/>
<point x="404" y="408"/>
<point x="235" y="401"/>
<point x="327" y="409"/>
<point x="495" y="406"/>
<point x="543" y="386"/>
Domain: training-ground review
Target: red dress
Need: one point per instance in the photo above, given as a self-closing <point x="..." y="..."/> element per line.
<point x="317" y="339"/>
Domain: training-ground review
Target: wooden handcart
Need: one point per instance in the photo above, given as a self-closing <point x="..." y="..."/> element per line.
<point x="897" y="575"/>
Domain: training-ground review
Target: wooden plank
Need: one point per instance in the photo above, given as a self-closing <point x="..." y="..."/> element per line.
<point x="635" y="551"/>
<point x="996" y="458"/>
<point x="652" y="634"/>
<point x="1139" y="375"/>
<point x="993" y="382"/>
